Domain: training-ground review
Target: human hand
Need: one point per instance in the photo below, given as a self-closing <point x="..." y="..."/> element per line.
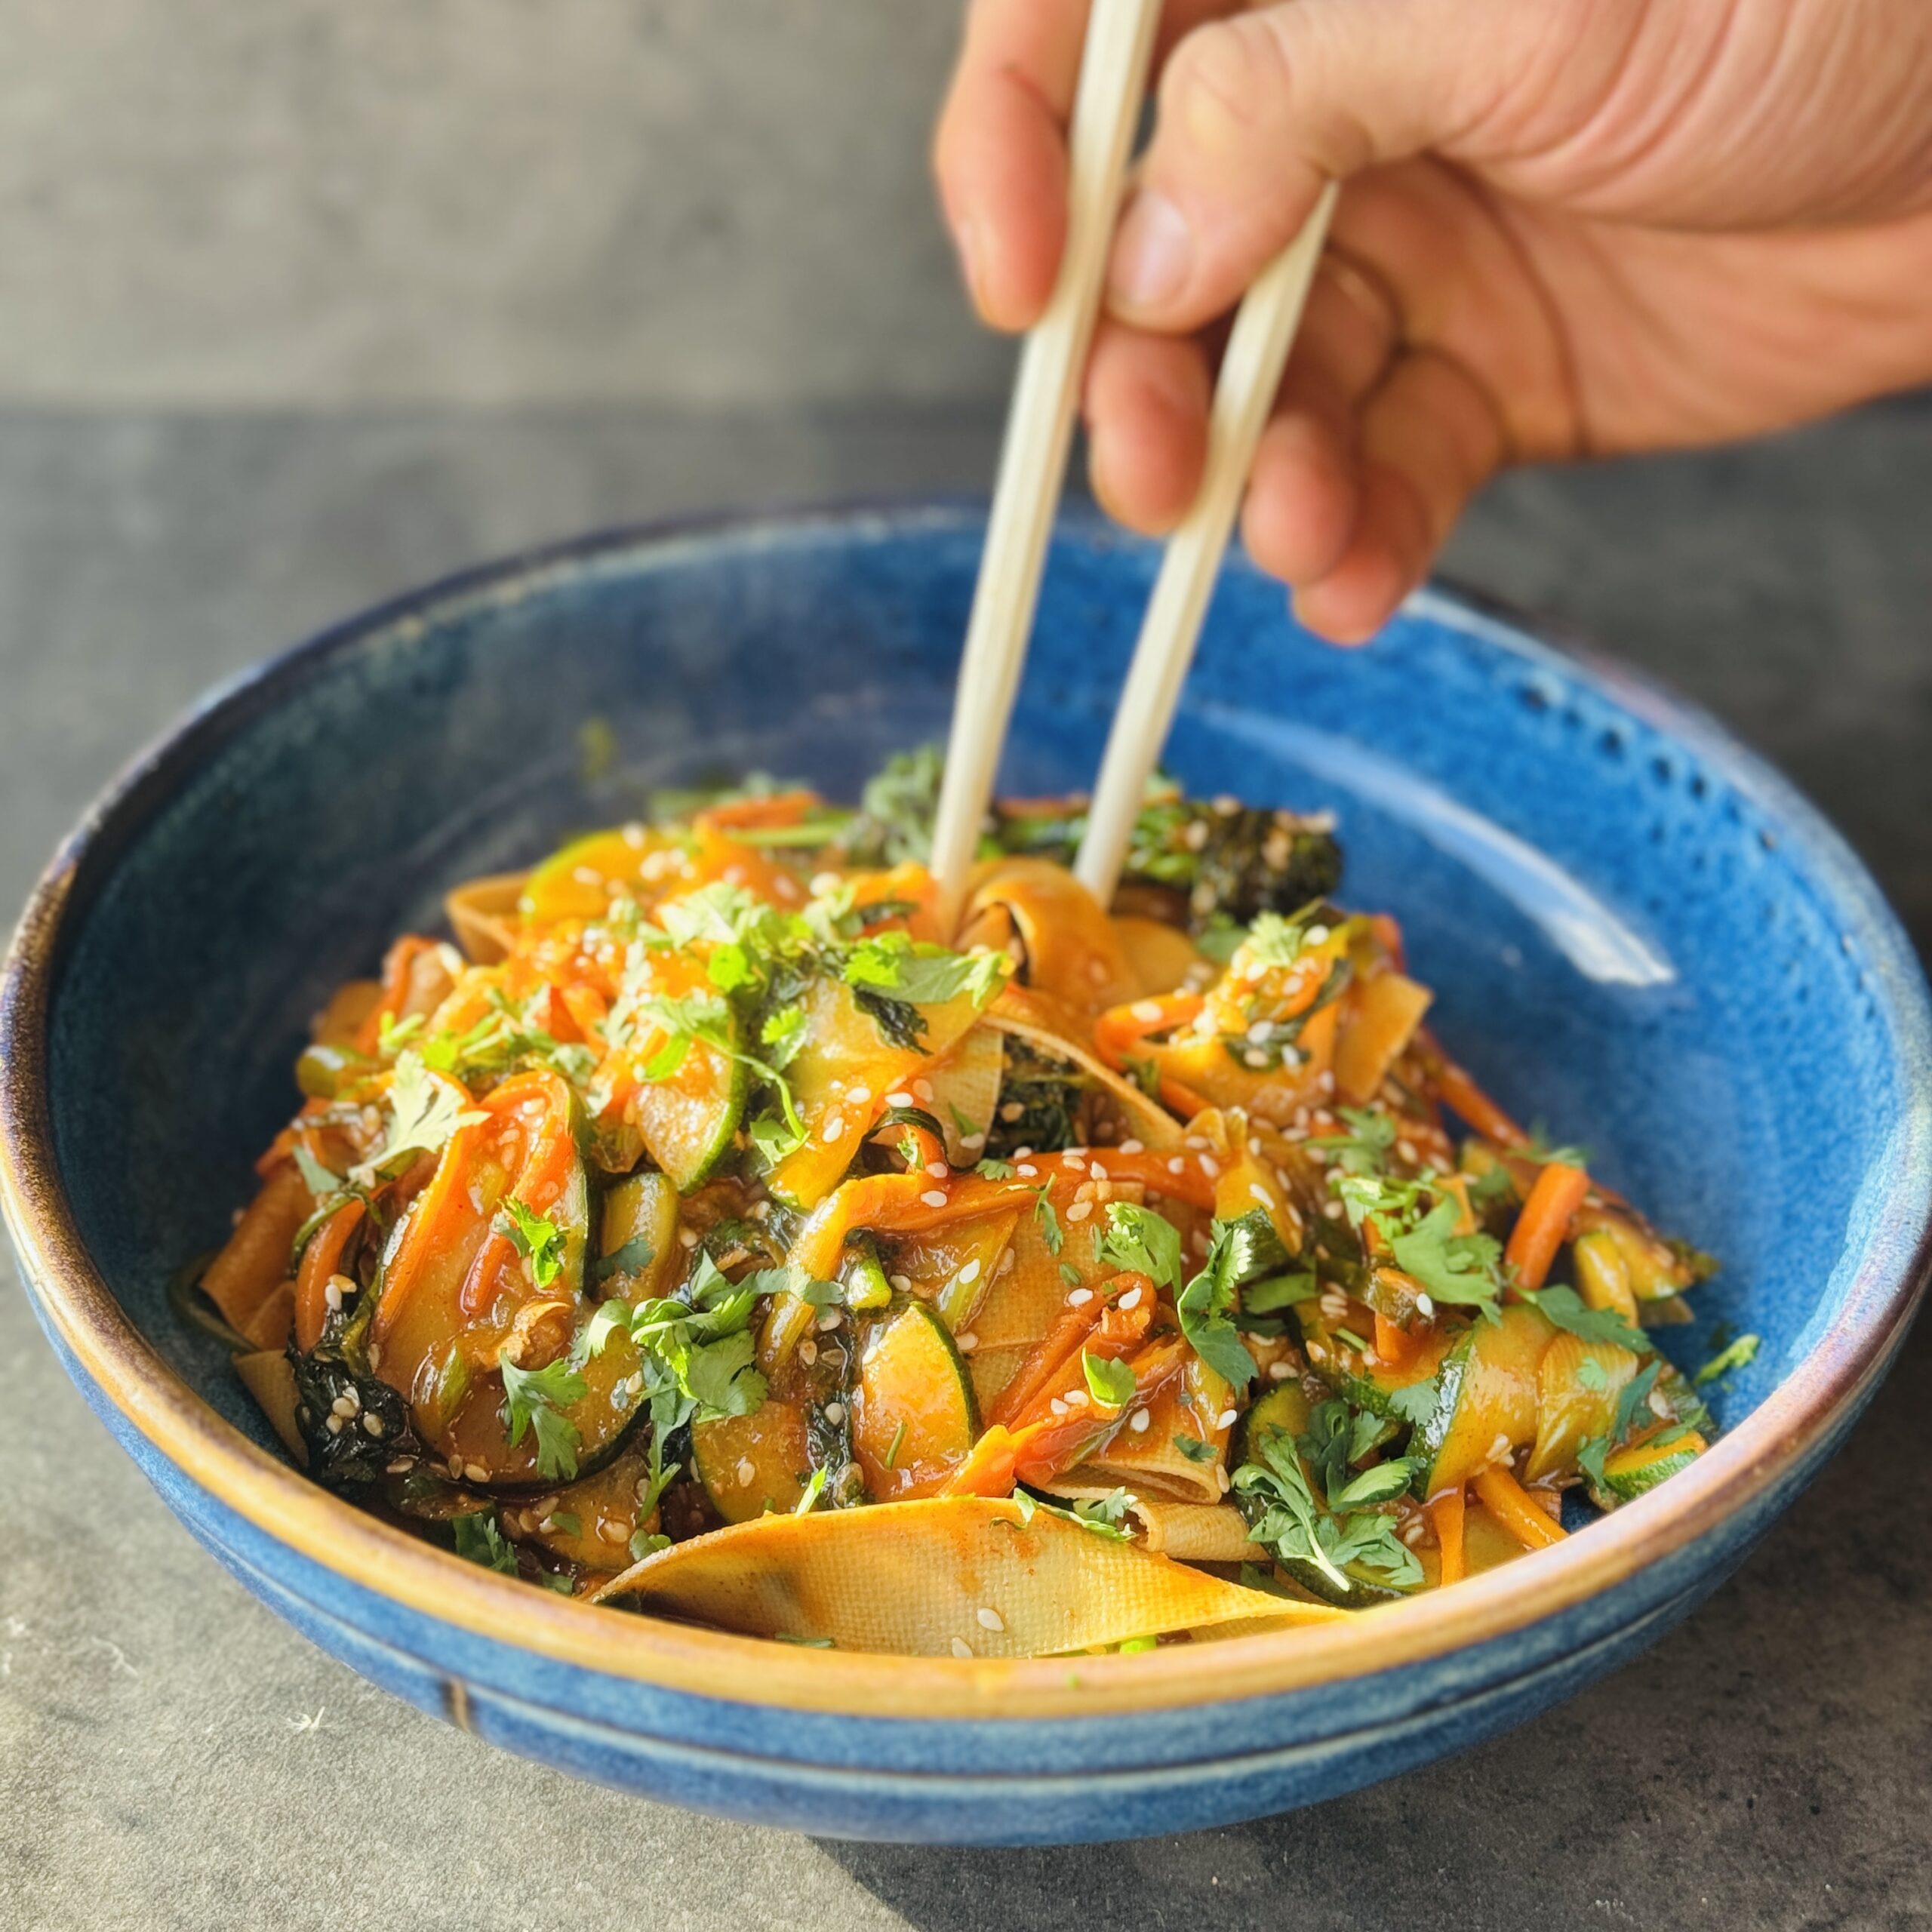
<point x="1571" y="228"/>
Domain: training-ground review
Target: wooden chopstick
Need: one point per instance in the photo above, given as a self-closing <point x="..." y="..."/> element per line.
<point x="1039" y="429"/>
<point x="1264" y="331"/>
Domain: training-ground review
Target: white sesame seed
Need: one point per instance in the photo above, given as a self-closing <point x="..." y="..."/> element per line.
<point x="1220" y="1479"/>
<point x="903" y="1283"/>
<point x="808" y="1351"/>
<point x="822" y="883"/>
<point x="1145" y="1011"/>
<point x="1315" y="935"/>
<point x="1010" y="1111"/>
<point x="972" y="1143"/>
<point x="969" y="1274"/>
<point x="829" y="1320"/>
<point x="1005" y="1262"/>
<point x="924" y="1088"/>
<point x="1080" y="1210"/>
<point x="1332" y="1209"/>
<point x="1176" y="1165"/>
<point x="966" y="1343"/>
<point x="372" y="1425"/>
<point x="933" y="1197"/>
<point x="1227" y="1420"/>
<point x="1138" y="1421"/>
<point x="1133" y="1147"/>
<point x="835" y="1413"/>
<point x="1078" y="1162"/>
<point x="1280" y="1371"/>
<point x="1407" y="1150"/>
<point x="746" y="1472"/>
<point x="1130" y="1299"/>
<point x="1080" y="1298"/>
<point x="335" y="1425"/>
<point x="331" y="1294"/>
<point x="1023" y="1154"/>
<point x="1197" y="1141"/>
<point x="938" y="1170"/>
<point x="1425" y="1307"/>
<point x="961" y="1648"/>
<point x="1257" y="1034"/>
<point x="833" y="1129"/>
<point x="687" y="1237"/>
<point x="1100" y="1173"/>
<point x="990" y="1620"/>
<point x="401" y="1466"/>
<point x="859" y="1096"/>
<point x="1210" y="1166"/>
<point x="1260" y="1193"/>
<point x="476" y="1472"/>
<point x="899" y="1100"/>
<point x="1027" y="1168"/>
<point x="1057" y="1406"/>
<point x="1499" y="1449"/>
<point x="1075" y="1398"/>
<point x="343" y="1407"/>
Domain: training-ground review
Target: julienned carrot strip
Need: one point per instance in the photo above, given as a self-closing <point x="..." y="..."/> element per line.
<point x="1054" y="1444"/>
<point x="1445" y="1512"/>
<point x="988" y="1469"/>
<point x="396" y="963"/>
<point x="1070" y="1331"/>
<point x="779" y="808"/>
<point x="1462" y="1096"/>
<point x="1122" y="1027"/>
<point x="1540" y="1228"/>
<point x="1392" y="1342"/>
<point x="320" y="1260"/>
<point x="1506" y="1500"/>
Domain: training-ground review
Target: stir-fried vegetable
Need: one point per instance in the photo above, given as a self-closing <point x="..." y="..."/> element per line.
<point x="722" y="1237"/>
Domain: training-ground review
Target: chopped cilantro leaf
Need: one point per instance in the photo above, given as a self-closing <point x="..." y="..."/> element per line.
<point x="540" y="1241"/>
<point x="479" y="1540"/>
<point x="1567" y="1309"/>
<point x="534" y="1401"/>
<point x="1139" y="1239"/>
<point x="1194" y="1449"/>
<point x="1206" y="1307"/>
<point x="1734" y="1355"/>
<point x="424" y="1111"/>
<point x="633" y="1258"/>
<point x="1111" y="1382"/>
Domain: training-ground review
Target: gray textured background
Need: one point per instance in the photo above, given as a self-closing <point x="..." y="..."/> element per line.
<point x="301" y="303"/>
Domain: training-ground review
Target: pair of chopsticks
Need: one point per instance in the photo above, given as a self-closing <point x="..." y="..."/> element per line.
<point x="1039" y="431"/>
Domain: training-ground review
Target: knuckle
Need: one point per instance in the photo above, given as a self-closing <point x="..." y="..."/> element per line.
<point x="1226" y="81"/>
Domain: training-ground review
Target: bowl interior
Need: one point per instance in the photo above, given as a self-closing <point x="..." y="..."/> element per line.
<point x="1639" y="938"/>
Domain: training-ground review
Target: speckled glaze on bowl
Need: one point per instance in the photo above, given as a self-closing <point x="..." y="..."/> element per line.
<point x="1640" y="936"/>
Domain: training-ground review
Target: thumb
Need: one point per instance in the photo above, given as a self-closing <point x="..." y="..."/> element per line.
<point x="1257" y="112"/>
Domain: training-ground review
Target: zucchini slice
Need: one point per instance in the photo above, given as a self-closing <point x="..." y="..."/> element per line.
<point x="688" y="1117"/>
<point x="638" y="1237"/>
<point x="1487" y="1402"/>
<point x="751" y="1465"/>
<point x="580" y="880"/>
<point x="914" y="1418"/>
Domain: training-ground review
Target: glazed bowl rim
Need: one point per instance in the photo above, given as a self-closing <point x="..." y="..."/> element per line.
<point x="1838" y="1370"/>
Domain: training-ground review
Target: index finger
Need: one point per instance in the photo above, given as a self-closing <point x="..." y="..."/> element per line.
<point x="999" y="152"/>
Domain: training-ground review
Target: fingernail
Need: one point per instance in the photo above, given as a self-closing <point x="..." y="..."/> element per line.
<point x="1153" y="252"/>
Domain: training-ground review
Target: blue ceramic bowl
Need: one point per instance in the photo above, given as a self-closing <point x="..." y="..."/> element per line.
<point x="1642" y="937"/>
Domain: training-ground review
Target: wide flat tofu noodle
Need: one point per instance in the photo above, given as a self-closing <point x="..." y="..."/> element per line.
<point x="1150" y="1462"/>
<point x="947" y="1576"/>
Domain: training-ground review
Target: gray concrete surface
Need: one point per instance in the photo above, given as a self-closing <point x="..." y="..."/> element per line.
<point x="171" y="1756"/>
<point x="316" y="201"/>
